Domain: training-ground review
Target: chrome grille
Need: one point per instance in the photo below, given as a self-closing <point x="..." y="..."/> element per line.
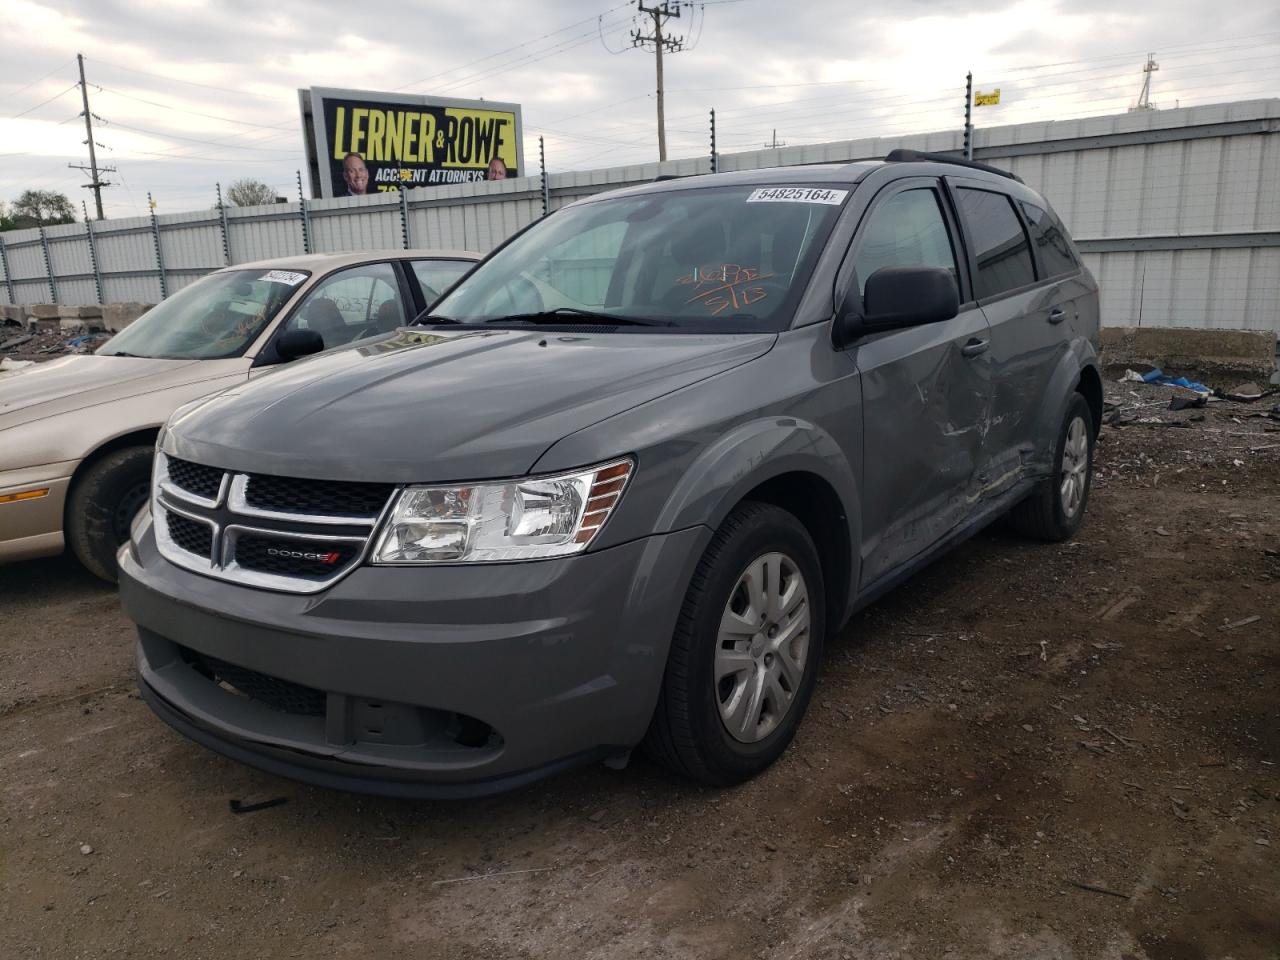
<point x="282" y="533"/>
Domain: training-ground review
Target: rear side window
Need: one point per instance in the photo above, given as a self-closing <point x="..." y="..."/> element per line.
<point x="907" y="230"/>
<point x="1047" y="233"/>
<point x="999" y="243"/>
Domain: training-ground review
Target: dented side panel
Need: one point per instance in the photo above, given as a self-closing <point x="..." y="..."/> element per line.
<point x="1029" y="344"/>
<point x="1026" y="346"/>
<point x="926" y="410"/>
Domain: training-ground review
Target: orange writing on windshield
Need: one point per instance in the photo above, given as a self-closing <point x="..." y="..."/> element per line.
<point x="726" y="287"/>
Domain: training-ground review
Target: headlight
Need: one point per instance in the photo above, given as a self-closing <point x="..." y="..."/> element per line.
<point x="513" y="520"/>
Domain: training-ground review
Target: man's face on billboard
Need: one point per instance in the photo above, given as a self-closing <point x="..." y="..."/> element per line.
<point x="356" y="174"/>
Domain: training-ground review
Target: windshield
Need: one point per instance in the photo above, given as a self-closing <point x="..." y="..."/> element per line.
<point x="216" y="316"/>
<point x="728" y="259"/>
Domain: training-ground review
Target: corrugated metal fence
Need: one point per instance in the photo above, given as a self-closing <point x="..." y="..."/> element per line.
<point x="1176" y="211"/>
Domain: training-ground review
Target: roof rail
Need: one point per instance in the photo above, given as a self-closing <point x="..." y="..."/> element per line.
<point x="916" y="156"/>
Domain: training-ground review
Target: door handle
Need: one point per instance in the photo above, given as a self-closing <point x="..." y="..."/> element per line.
<point x="1057" y="315"/>
<point x="974" y="347"/>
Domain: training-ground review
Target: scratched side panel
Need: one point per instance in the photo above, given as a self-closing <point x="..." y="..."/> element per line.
<point x="926" y="410"/>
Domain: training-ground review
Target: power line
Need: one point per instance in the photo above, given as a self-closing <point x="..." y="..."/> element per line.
<point x="563" y="46"/>
<point x="912" y="116"/>
<point x="28" y="86"/>
<point x="607" y="106"/>
<point x="1018" y="113"/>
<point x="195" y="113"/>
<point x="213" y="143"/>
<point x="519" y="46"/>
<point x="864" y="99"/>
<point x="43" y="102"/>
<point x="1127" y="55"/>
<point x="190" y="83"/>
<point x="1028" y="91"/>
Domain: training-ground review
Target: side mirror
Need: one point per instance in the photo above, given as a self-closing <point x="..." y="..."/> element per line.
<point x="909" y="297"/>
<point x="298" y="343"/>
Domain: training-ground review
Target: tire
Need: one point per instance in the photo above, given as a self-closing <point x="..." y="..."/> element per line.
<point x="1047" y="513"/>
<point x="102" y="505"/>
<point x="688" y="733"/>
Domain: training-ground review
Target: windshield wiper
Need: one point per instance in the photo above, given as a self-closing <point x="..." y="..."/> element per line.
<point x="571" y="315"/>
<point x="434" y="319"/>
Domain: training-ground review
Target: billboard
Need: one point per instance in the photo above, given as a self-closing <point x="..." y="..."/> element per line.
<point x="361" y="142"/>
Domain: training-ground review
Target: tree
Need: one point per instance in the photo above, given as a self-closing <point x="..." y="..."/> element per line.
<point x="250" y="193"/>
<point x="43" y="208"/>
<point x="35" y="208"/>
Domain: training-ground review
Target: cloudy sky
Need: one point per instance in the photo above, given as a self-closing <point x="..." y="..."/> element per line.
<point x="194" y="92"/>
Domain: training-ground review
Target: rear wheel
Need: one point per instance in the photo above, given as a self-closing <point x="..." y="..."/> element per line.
<point x="1055" y="509"/>
<point x="744" y="656"/>
<point x="102" y="505"/>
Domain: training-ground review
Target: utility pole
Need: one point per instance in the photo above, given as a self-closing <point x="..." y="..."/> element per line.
<point x="1144" y="98"/>
<point x="775" y="143"/>
<point x="660" y="12"/>
<point x="96" y="183"/>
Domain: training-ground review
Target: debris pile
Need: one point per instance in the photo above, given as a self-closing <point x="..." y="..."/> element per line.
<point x="1223" y="427"/>
<point x="44" y="341"/>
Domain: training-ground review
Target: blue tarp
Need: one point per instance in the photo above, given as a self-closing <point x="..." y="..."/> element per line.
<point x="1159" y="376"/>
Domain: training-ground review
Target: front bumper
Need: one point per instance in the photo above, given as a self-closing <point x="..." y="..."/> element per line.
<point x="446" y="681"/>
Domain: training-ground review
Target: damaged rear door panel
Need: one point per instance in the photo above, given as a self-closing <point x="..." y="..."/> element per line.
<point x="1028" y="313"/>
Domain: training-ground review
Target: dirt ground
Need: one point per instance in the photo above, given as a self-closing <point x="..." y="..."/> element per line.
<point x="1027" y="751"/>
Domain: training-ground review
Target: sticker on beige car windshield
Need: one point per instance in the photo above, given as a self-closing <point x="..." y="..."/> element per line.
<point x="797" y="195"/>
<point x="284" y="276"/>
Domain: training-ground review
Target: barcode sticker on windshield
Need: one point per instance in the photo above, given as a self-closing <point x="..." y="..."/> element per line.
<point x="284" y="276"/>
<point x="797" y="195"/>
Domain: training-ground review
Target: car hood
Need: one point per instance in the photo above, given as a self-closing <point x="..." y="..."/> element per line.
<point x="441" y="406"/>
<point x="86" y="380"/>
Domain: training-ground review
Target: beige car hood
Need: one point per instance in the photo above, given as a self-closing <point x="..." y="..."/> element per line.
<point x="87" y="380"/>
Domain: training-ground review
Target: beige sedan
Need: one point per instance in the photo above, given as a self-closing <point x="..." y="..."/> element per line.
<point x="77" y="433"/>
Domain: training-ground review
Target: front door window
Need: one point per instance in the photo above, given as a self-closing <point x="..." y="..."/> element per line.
<point x="352" y="304"/>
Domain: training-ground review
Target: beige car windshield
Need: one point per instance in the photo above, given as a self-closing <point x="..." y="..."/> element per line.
<point x="216" y="316"/>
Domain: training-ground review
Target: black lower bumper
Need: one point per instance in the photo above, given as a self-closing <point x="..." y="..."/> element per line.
<point x="337" y="775"/>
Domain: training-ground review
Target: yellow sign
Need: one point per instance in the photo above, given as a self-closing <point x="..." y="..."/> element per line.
<point x="991" y="99"/>
<point x="393" y="145"/>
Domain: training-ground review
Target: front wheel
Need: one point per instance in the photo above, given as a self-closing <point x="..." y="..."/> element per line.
<point x="102" y="506"/>
<point x="1055" y="508"/>
<point x="745" y="653"/>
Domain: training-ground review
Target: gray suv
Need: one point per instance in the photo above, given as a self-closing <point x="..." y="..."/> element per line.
<point x="622" y="482"/>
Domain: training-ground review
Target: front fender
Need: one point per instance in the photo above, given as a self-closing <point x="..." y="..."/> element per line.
<point x="702" y="449"/>
<point x="747" y="456"/>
